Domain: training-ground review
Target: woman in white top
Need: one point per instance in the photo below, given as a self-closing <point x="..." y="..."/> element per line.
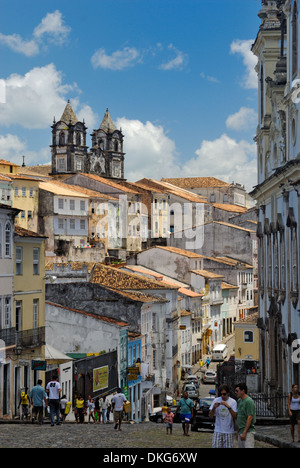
<point x="294" y="411"/>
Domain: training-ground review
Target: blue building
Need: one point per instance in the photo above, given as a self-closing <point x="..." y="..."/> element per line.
<point x="135" y="377"/>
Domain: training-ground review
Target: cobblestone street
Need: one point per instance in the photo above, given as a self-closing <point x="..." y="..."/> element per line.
<point x="71" y="435"/>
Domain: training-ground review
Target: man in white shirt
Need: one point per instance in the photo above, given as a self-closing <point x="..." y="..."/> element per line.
<point x="118" y="401"/>
<point x="224" y="409"/>
<point x="54" y="389"/>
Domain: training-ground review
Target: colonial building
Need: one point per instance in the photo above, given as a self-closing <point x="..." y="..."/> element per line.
<point x="277" y="192"/>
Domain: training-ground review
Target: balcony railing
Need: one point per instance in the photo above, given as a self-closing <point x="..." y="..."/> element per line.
<point x="32" y="338"/>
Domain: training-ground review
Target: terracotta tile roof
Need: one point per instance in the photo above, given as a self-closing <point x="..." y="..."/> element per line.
<point x="177" y="251"/>
<point x="108" y="182"/>
<point x="21" y="232"/>
<point x="230" y="207"/>
<point x="166" y="187"/>
<point x="207" y="274"/>
<point x="228" y="286"/>
<point x="83" y="190"/>
<point x="42" y="169"/>
<point x="90" y="314"/>
<point x="121" y="280"/>
<point x="185" y="313"/>
<point x="61" y="189"/>
<point x="8" y="163"/>
<point x="197" y="182"/>
<point x="230" y="261"/>
<point x="232" y="226"/>
<point x="188" y="292"/>
<point x="139" y="297"/>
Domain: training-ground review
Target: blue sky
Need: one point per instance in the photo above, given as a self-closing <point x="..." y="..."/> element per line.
<point x="177" y="76"/>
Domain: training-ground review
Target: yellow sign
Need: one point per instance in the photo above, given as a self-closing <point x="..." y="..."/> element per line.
<point x="100" y="378"/>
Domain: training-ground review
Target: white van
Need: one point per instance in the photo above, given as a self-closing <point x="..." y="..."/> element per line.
<point x="220" y="352"/>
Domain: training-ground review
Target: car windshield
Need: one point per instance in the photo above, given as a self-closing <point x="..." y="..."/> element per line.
<point x="206" y="401"/>
<point x="190" y="388"/>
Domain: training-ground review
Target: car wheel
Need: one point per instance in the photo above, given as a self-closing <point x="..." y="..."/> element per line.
<point x="159" y="420"/>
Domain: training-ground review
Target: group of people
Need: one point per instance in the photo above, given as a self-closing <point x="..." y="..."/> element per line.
<point x="41" y="399"/>
<point x="96" y="409"/>
<point x="231" y="416"/>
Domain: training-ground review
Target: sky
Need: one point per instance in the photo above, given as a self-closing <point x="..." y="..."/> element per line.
<point x="176" y="75"/>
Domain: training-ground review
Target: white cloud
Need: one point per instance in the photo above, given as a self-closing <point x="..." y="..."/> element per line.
<point x="149" y="151"/>
<point x="17" y="44"/>
<point x="212" y="79"/>
<point x="226" y="159"/>
<point x="12" y="149"/>
<point x="249" y="59"/>
<point x="52" y="27"/>
<point x="244" y="119"/>
<point x="178" y="62"/>
<point x="34" y="99"/>
<point x="117" y="61"/>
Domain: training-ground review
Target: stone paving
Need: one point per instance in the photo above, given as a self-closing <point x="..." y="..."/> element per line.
<point x="72" y="435"/>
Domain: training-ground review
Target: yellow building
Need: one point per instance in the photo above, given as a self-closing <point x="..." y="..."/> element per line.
<point x="247" y="341"/>
<point x="7" y="167"/>
<point x="25" y="197"/>
<point x="28" y="310"/>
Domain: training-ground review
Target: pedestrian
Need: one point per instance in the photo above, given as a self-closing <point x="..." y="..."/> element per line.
<point x="294" y="411"/>
<point x="63" y="405"/>
<point x="54" y="390"/>
<point x="91" y="409"/>
<point x="108" y="412"/>
<point x="185" y="406"/>
<point x="201" y="364"/>
<point x="246" y="417"/>
<point x="207" y="362"/>
<point x="80" y="409"/>
<point x="224" y="409"/>
<point x="38" y="398"/>
<point x="117" y="402"/>
<point x="164" y="410"/>
<point x="104" y="407"/>
<point x="169" y="421"/>
<point x="97" y="409"/>
<point x="25" y="403"/>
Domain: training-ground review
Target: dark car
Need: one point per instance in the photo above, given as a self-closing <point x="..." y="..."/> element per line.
<point x="201" y="419"/>
<point x="158" y="417"/>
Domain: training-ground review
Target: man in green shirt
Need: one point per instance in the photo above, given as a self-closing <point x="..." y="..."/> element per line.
<point x="246" y="417"/>
<point x="186" y="406"/>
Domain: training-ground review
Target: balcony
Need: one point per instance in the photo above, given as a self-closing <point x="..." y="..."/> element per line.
<point x="25" y="339"/>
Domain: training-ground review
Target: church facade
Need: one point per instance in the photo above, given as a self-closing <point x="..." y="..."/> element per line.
<point x="70" y="153"/>
<point x="278" y="193"/>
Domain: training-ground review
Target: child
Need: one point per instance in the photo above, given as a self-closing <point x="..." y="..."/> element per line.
<point x="169" y="420"/>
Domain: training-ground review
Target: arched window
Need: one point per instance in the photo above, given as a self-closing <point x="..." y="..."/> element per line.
<point x="8" y="240"/>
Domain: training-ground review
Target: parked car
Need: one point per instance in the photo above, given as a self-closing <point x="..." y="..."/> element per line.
<point x="193" y="379"/>
<point x="210" y="376"/>
<point x="191" y="390"/>
<point x="157" y="417"/>
<point x="201" y="417"/>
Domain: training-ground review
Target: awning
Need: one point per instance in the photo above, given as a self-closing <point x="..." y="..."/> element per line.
<point x="53" y="356"/>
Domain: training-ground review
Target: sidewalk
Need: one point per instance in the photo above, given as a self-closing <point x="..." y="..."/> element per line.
<point x="278" y="435"/>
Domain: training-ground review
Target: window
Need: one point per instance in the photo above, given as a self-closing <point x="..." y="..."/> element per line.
<point x="18" y="316"/>
<point x="60" y="204"/>
<point x="8" y="240"/>
<point x="29" y="214"/>
<point x="16" y="191"/>
<point x="72" y="205"/>
<point x="36" y="261"/>
<point x="35" y="313"/>
<point x="23" y="214"/>
<point x="82" y="224"/>
<point x="31" y="192"/>
<point x="23" y="191"/>
<point x="72" y="224"/>
<point x="60" y="223"/>
<point x="7" y="312"/>
<point x="82" y="206"/>
<point x="19" y="260"/>
<point x="248" y="336"/>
